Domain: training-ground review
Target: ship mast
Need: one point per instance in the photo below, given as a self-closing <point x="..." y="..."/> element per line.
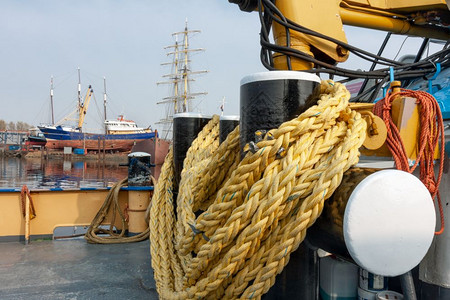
<point x="81" y="108"/>
<point x="79" y="91"/>
<point x="104" y="103"/>
<point x="180" y="77"/>
<point x="51" y="100"/>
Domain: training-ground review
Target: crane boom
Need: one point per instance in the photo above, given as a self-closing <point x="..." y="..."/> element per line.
<point x="82" y="109"/>
<point x="425" y="18"/>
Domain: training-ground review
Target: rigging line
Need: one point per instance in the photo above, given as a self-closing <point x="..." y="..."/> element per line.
<point x="46" y="103"/>
<point x="98" y="111"/>
<point x="92" y="74"/>
<point x="112" y="106"/>
<point x="69" y="74"/>
<point x="40" y="113"/>
<point x="92" y="80"/>
<point x="67" y="110"/>
<point x="57" y="84"/>
<point x="401" y="47"/>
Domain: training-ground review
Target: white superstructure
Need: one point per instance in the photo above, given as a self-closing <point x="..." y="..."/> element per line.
<point x="122" y="126"/>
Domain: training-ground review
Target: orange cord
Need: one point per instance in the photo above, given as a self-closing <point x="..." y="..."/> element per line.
<point x="431" y="128"/>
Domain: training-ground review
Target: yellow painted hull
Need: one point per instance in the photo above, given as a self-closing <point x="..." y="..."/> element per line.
<point x="53" y="209"/>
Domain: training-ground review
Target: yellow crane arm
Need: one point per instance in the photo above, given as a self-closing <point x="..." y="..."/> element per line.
<point x="426" y="18"/>
<point x="84" y="106"/>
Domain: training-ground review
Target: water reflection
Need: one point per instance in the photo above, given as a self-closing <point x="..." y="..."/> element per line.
<point x="66" y="174"/>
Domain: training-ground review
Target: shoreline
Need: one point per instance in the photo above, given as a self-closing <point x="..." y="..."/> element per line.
<point x="121" y="157"/>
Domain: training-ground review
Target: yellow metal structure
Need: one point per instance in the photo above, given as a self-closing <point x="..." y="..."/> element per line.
<point x="367" y="20"/>
<point x="405" y="115"/>
<point x="83" y="107"/>
<point x="377" y="133"/>
<point x="327" y="17"/>
<point x="376" y="129"/>
<point x="399" y="6"/>
<point x="426" y="18"/>
<point x="306" y="14"/>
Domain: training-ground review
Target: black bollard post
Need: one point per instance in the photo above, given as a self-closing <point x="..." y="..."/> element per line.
<point x="139" y="182"/>
<point x="186" y="127"/>
<point x="267" y="100"/>
<point x="227" y="124"/>
<point x="139" y="169"/>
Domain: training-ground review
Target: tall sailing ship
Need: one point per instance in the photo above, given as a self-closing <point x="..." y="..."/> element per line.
<point x="180" y="97"/>
<point x="179" y="79"/>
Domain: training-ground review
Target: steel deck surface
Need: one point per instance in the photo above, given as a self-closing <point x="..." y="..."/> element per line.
<point x="74" y="269"/>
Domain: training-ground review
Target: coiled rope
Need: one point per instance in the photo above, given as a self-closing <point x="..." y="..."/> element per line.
<point x="431" y="131"/>
<point x="256" y="211"/>
<point x="98" y="235"/>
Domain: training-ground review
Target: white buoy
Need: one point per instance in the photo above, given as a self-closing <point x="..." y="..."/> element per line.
<point x="389" y="222"/>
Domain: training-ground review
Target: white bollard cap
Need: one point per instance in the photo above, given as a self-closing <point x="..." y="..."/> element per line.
<point x="389" y="222"/>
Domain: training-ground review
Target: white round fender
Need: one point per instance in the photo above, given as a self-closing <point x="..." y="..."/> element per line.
<point x="389" y="222"/>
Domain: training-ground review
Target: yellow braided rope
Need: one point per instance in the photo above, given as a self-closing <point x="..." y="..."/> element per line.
<point x="256" y="212"/>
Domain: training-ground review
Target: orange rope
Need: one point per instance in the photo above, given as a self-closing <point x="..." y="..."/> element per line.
<point x="431" y="128"/>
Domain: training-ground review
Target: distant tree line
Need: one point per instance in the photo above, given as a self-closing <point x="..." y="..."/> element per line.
<point x="21" y="126"/>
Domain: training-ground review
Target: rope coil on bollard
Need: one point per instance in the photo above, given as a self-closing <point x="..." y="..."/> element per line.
<point x="253" y="213"/>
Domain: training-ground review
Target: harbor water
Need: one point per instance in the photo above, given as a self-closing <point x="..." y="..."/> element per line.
<point x="38" y="173"/>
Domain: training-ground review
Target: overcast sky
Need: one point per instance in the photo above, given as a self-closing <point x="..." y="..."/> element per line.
<point x="123" y="41"/>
